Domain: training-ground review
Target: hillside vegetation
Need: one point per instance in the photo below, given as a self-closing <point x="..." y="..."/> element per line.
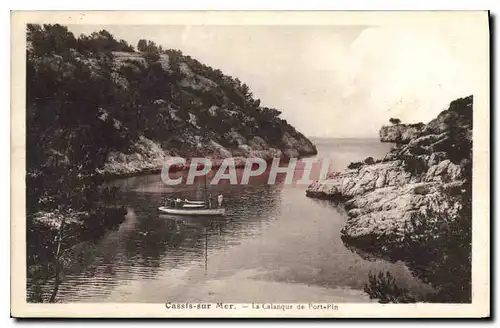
<point x="97" y="107"/>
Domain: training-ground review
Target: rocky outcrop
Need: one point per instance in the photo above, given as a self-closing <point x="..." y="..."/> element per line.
<point x="118" y="111"/>
<point x="233" y="126"/>
<point x="82" y="223"/>
<point x="387" y="202"/>
<point x="400" y="133"/>
<point x="147" y="156"/>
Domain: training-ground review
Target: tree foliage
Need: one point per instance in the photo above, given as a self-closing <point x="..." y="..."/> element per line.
<point x="66" y="93"/>
<point x="395" y="121"/>
<point x="91" y="96"/>
<point x="83" y="103"/>
<point x="384" y="288"/>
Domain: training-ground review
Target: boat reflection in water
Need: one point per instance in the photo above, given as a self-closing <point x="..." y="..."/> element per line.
<point x="182" y="223"/>
<point x="204" y="207"/>
<point x="185" y="208"/>
<point x="273" y="244"/>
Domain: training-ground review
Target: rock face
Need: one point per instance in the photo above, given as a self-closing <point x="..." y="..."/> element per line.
<point x="207" y="114"/>
<point x="134" y="109"/>
<point x="388" y="201"/>
<point x="401" y="133"/>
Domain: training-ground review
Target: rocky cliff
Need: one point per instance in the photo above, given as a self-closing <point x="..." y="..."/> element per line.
<point x="209" y="115"/>
<point x="98" y="107"/>
<point x="400" y="133"/>
<point x="415" y="185"/>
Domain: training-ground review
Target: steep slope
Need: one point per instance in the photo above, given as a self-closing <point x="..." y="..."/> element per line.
<point x="414" y="205"/>
<point x="205" y="113"/>
<point x="96" y="107"/>
<point x="400" y="133"/>
<point x="420" y="183"/>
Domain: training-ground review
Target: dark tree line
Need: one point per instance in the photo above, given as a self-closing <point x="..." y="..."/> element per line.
<point x="91" y="95"/>
<point x="67" y="139"/>
<point x="82" y="104"/>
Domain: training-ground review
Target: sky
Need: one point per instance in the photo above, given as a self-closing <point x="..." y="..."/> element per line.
<point x="331" y="81"/>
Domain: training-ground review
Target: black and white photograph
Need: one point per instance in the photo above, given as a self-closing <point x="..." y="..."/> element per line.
<point x="251" y="166"/>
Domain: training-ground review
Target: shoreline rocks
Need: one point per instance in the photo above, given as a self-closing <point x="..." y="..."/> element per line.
<point x="401" y="133"/>
<point x="149" y="157"/>
<point x="85" y="223"/>
<point x="388" y="201"/>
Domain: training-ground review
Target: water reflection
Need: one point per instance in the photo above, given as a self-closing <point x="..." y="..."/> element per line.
<point x="274" y="244"/>
<point x="148" y="242"/>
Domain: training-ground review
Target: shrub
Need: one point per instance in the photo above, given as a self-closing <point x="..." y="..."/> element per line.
<point x="152" y="56"/>
<point x="384" y="288"/>
<point x="354" y="165"/>
<point x="413" y="164"/>
<point x="369" y="161"/>
<point x="395" y="121"/>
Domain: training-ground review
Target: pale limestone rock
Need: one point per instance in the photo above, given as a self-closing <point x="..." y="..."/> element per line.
<point x="391" y="211"/>
<point x="399" y="133"/>
<point x="435" y="158"/>
<point x="386" y="205"/>
<point x="213" y="110"/>
<point x="220" y="150"/>
<point x="445" y="171"/>
<point x="257" y="143"/>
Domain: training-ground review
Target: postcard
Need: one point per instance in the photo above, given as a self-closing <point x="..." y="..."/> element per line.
<point x="250" y="164"/>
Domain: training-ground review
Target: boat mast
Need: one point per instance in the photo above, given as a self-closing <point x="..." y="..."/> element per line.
<point x="206" y="250"/>
<point x="206" y="193"/>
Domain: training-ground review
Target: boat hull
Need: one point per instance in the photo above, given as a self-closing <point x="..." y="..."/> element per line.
<point x="194" y="211"/>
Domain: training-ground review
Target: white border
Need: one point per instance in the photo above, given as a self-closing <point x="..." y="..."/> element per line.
<point x="480" y="306"/>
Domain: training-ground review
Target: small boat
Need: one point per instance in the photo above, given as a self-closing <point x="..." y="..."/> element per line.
<point x="187" y="201"/>
<point x="193" y="210"/>
<point x="193" y="207"/>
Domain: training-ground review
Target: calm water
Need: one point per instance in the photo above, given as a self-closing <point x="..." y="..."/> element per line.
<point x="275" y="244"/>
